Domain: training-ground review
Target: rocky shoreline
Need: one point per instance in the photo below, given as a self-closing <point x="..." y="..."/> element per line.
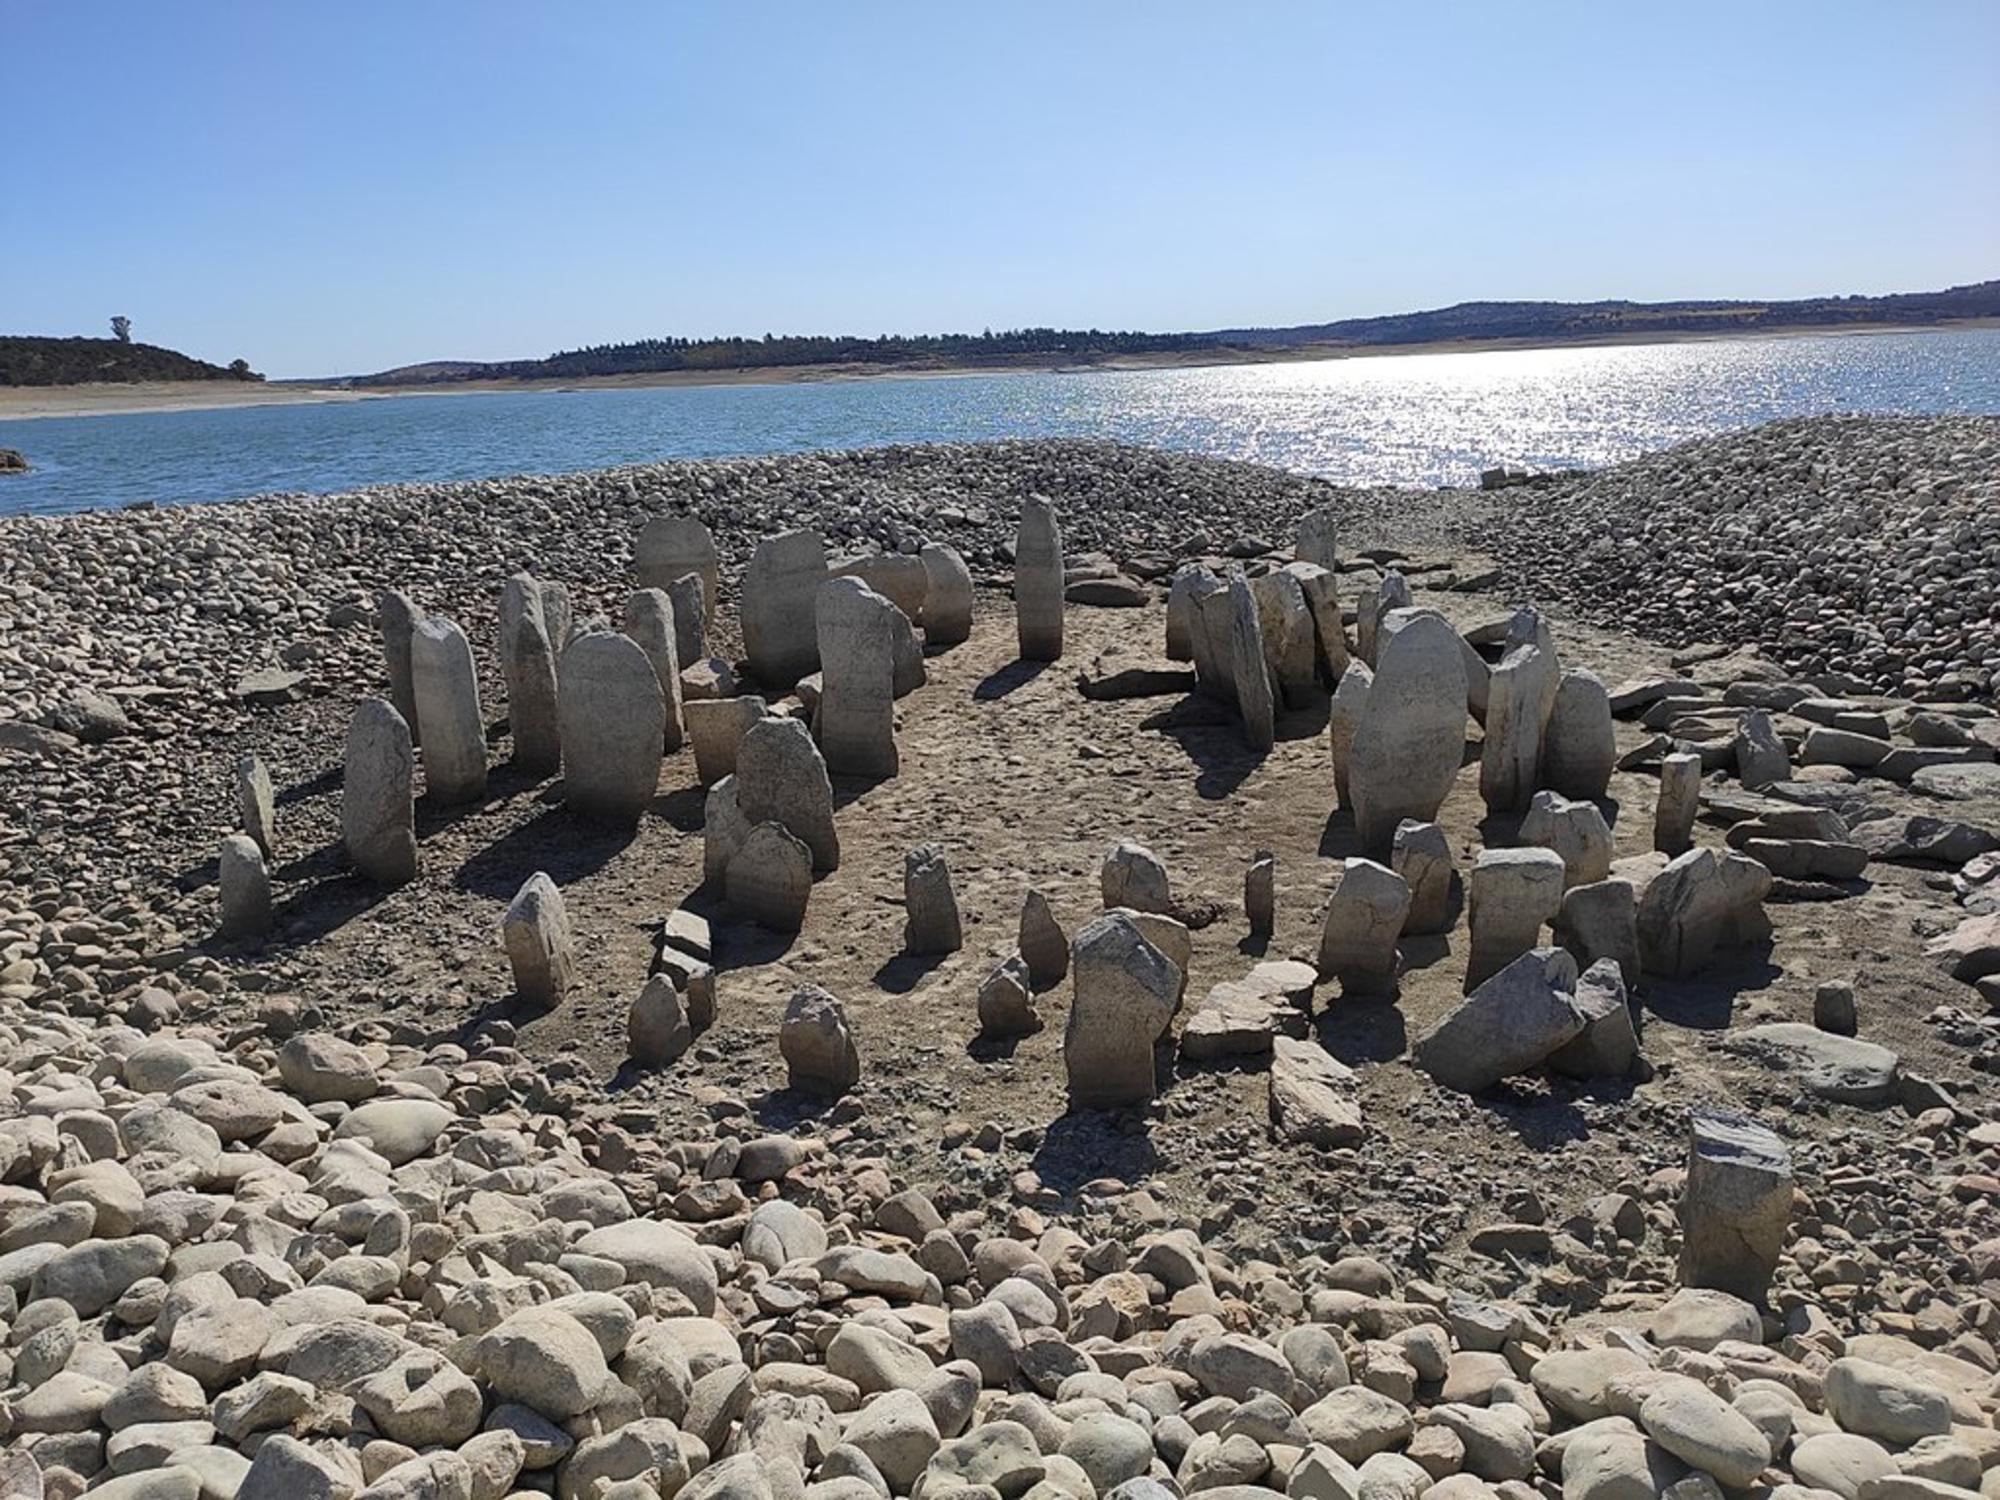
<point x="321" y="1206"/>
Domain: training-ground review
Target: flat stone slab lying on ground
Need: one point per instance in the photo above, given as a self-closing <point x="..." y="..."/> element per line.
<point x="1842" y="1068"/>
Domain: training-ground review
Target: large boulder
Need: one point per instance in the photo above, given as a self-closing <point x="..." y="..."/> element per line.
<point x="1509" y="1024"/>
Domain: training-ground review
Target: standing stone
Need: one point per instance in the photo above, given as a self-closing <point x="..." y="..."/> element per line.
<point x="906" y="654"/>
<point x="1126" y="990"/>
<point x="1367" y="614"/>
<point x="1343" y="721"/>
<point x="1520" y="696"/>
<point x="447" y="690"/>
<point x="1260" y="893"/>
<point x="930" y="909"/>
<point x="899" y="577"/>
<point x="649" y="622"/>
<point x="1702" y="903"/>
<point x="1322" y="595"/>
<point x="559" y="614"/>
<point x="948" y="596"/>
<point x="528" y="665"/>
<point x="535" y="932"/>
<point x="780" y="605"/>
<point x="1680" y="800"/>
<point x="1044" y="945"/>
<point x="1512" y="892"/>
<point x="244" y="888"/>
<point x="256" y="802"/>
<point x="657" y="1028"/>
<point x="723" y="830"/>
<point x="1038" y="582"/>
<point x="857" y="702"/>
<point x="1133" y="877"/>
<point x="691" y="612"/>
<point x="1006" y="1002"/>
<point x="1318" y="539"/>
<point x="1735" y="1206"/>
<point x="817" y="1044"/>
<point x="614" y="719"/>
<point x="1291" y="642"/>
<point x="1407" y="752"/>
<point x="1357" y="945"/>
<point x="1421" y="854"/>
<point x="781" y="778"/>
<point x="1182" y="601"/>
<point x="377" y="816"/>
<point x="1247" y="667"/>
<point x="717" y="726"/>
<point x="396" y="618"/>
<point x="1214" y="653"/>
<point x="671" y="547"/>
<point x="1575" y="830"/>
<point x="1761" y="757"/>
<point x="1580" y="746"/>
<point x="1599" y="921"/>
<point x="769" y="878"/>
<point x="1391" y="595"/>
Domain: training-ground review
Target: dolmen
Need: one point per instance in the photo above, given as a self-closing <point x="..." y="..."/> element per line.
<point x="613" y="727"/>
<point x="1409" y="734"/>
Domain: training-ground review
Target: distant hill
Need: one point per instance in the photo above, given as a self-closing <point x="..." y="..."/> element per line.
<point x="1537" y="322"/>
<point x="28" y="360"/>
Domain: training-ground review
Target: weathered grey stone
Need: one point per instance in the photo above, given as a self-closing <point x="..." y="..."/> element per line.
<point x="769" y="878"/>
<point x="1241" y="1017"/>
<point x="1357" y="942"/>
<point x="1044" y="945"/>
<point x="1510" y="894"/>
<point x="243" y="888"/>
<point x="1735" y="1205"/>
<point x="536" y="935"/>
<point x="1006" y="1001"/>
<point x="899" y="577"/>
<point x="1421" y="854"/>
<point x="1520" y="698"/>
<point x="528" y="667"/>
<point x="1318" y="538"/>
<point x="1038" y="582"/>
<point x="1575" y="830"/>
<point x="671" y="547"/>
<point x="256" y="802"/>
<point x="717" y="727"/>
<point x="1126" y="990"/>
<point x="1132" y="876"/>
<point x="692" y="610"/>
<point x="1260" y="894"/>
<point x="1509" y="1024"/>
<point x="649" y="621"/>
<point x="1291" y="642"/>
<point x="1322" y="594"/>
<point x="1701" y="904"/>
<point x="1601" y="920"/>
<point x="817" y="1043"/>
<point x="1761" y="756"/>
<point x="1247" y="667"/>
<point x="658" y="1028"/>
<point x="613" y="727"/>
<point x="377" y="813"/>
<point x="1344" y="716"/>
<point x="1680" y="801"/>
<point x="1842" y="1068"/>
<point x="1181" y="606"/>
<point x="1580" y="744"/>
<point x="1608" y="1046"/>
<point x="1314" y="1097"/>
<point x="780" y="607"/>
<point x="1407" y="751"/>
<point x="857" y="706"/>
<point x="1886" y="1403"/>
<point x="453" y="734"/>
<point x="781" y="778"/>
<point x="1208" y="616"/>
<point x="396" y="616"/>
<point x="930" y="909"/>
<point x="948" y="598"/>
<point x="723" y="830"/>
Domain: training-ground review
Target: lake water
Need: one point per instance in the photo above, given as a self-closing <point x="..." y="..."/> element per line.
<point x="1418" y="419"/>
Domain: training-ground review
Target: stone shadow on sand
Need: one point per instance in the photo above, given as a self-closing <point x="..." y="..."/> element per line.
<point x="1705" y="1001"/>
<point x="333" y="900"/>
<point x="905" y="971"/>
<point x="1084" y="1145"/>
<point x="1339" y="839"/>
<point x="1362" y="1031"/>
<point x="1540" y="1121"/>
<point x="686" y="808"/>
<point x="561" y="844"/>
<point x="999" y="683"/>
<point x="328" y="781"/>
<point x="1222" y="761"/>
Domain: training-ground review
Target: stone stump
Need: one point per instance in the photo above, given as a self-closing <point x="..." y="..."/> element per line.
<point x="243" y="888"/>
<point x="781" y="778"/>
<point x="1132" y="876"/>
<point x="1318" y="538"/>
<point x="688" y="596"/>
<point x="1680" y="801"/>
<point x="377" y="815"/>
<point x="657" y="1028"/>
<point x="1044" y="945"/>
<point x="716" y="727"/>
<point x="1580" y="745"/>
<point x="817" y="1044"/>
<point x="779" y="607"/>
<point x="723" y="830"/>
<point x="396" y="617"/>
<point x="1735" y="1206"/>
<point x="649" y="622"/>
<point x="535" y="932"/>
<point x="1038" y="582"/>
<point x="930" y="908"/>
<point x="528" y="666"/>
<point x="1761" y="756"/>
<point x="671" y="547"/>
<point x="1511" y="894"/>
<point x="447" y="690"/>
<point x="1599" y="921"/>
<point x="1575" y="830"/>
<point x="613" y="726"/>
<point x="1006" y="1002"/>
<point x="1260" y="894"/>
<point x="769" y="878"/>
<point x="256" y="802"/>
<point x="1255" y="703"/>
<point x="1126" y="990"/>
<point x="1182" y="601"/>
<point x="1357" y="943"/>
<point x="1421" y="854"/>
<point x="948" y="600"/>
<point x="857" y="705"/>
<point x="1699" y="906"/>
<point x="1411" y="739"/>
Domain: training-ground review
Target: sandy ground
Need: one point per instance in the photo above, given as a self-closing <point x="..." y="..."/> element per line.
<point x="23" y="402"/>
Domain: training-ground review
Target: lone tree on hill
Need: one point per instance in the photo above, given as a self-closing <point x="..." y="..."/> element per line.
<point x="121" y="329"/>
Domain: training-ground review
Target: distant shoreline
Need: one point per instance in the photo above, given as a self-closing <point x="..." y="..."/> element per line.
<point x="25" y="403"/>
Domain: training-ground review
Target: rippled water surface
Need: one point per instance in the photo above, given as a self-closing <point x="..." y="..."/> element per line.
<point x="1421" y="419"/>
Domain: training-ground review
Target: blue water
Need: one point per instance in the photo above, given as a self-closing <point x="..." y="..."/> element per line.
<point x="1419" y="419"/>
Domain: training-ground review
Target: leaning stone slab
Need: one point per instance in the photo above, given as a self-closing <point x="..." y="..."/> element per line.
<point x="717" y="727"/>
<point x="1126" y="990"/>
<point x="930" y="908"/>
<point x="1357" y="942"/>
<point x="1314" y="1097"/>
<point x="1699" y="906"/>
<point x="1510" y="894"/>
<point x="818" y="1044"/>
<point x="723" y="830"/>
<point x="1735" y="1206"/>
<point x="1322" y="595"/>
<point x="1182" y="593"/>
<point x="1608" y="1045"/>
<point x="613" y="727"/>
<point x="769" y="878"/>
<point x="779" y="607"/>
<point x="377" y="817"/>
<point x="670" y="547"/>
<point x="857" y="704"/>
<point x="256" y="802"/>
<point x="447" y="693"/>
<point x="689" y="597"/>
<point x="1343" y="722"/>
<point x="947" y="613"/>
<point x="1598" y="921"/>
<point x="535" y="932"/>
<point x="396" y="616"/>
<point x="1520" y="698"/>
<point x="649" y="621"/>
<point x="1255" y="701"/>
<point x="1038" y="582"/>
<point x="1411" y="739"/>
<point x="1842" y="1068"/>
<point x="781" y="778"/>
<point x="1509" y="1024"/>
<point x="1044" y="945"/>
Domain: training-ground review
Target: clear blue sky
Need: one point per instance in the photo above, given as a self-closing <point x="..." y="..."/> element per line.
<point x="328" y="188"/>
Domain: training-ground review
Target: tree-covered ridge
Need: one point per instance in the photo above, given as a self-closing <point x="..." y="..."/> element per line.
<point x="31" y="360"/>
